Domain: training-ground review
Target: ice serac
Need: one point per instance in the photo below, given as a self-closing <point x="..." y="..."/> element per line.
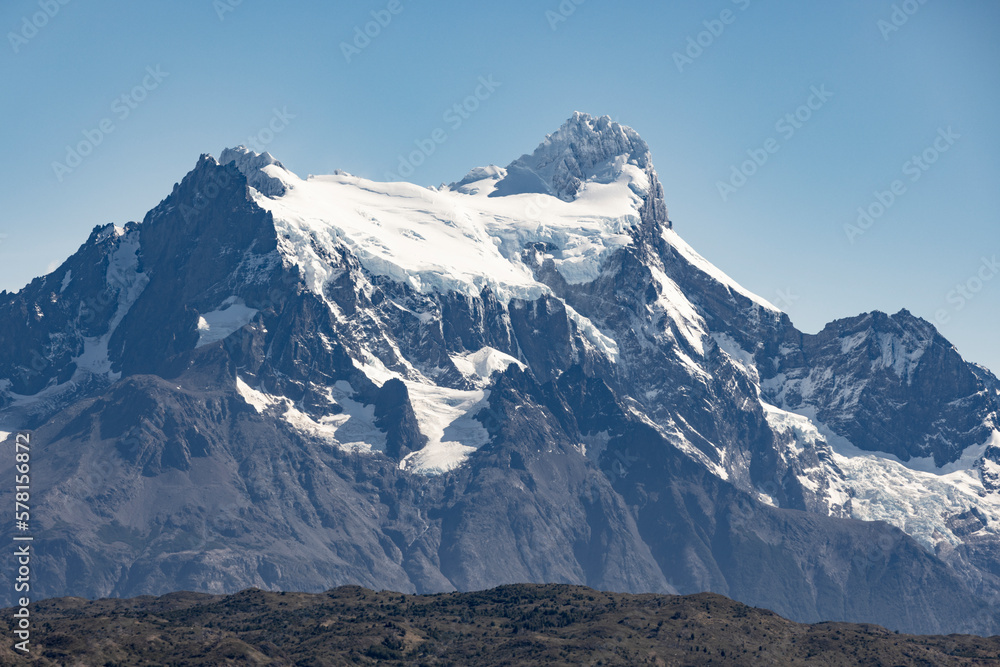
<point x="585" y="149"/>
<point x="525" y="376"/>
<point x="253" y="166"/>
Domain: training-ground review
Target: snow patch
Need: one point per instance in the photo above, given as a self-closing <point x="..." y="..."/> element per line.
<point x="681" y="311"/>
<point x="877" y="487"/>
<point x="446" y="417"/>
<point x="219" y="324"/>
<point x="258" y="400"/>
<point x="351" y="430"/>
<point x="901" y="354"/>
<point x="593" y="445"/>
<point x="601" y="342"/>
<point x="482" y="364"/>
<point x="740" y="357"/>
<point x="124" y="278"/>
<point x="709" y="269"/>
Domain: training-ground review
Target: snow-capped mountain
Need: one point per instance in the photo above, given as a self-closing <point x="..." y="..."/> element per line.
<point x="524" y="376"/>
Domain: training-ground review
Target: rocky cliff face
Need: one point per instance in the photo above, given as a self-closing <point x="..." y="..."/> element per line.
<point x="890" y="384"/>
<point x="297" y="384"/>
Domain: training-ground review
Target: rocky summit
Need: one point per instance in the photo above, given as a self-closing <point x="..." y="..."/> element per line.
<point x="524" y="377"/>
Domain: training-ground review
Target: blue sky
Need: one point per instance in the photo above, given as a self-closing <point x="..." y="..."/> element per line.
<point x="709" y="85"/>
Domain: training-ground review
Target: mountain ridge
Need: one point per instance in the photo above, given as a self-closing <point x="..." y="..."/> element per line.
<point x="346" y="381"/>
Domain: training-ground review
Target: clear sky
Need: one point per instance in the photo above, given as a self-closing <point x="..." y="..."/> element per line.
<point x="146" y="87"/>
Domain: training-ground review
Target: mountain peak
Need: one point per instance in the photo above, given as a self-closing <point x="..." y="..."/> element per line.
<point x="584" y="149"/>
<point x="254" y="165"/>
<point x="383" y="347"/>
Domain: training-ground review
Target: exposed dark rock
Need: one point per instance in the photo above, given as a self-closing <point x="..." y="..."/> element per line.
<point x="628" y="448"/>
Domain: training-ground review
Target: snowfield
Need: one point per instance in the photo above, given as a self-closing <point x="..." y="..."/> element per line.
<point x="465" y="237"/>
<point x="451" y="240"/>
<point x="915" y="496"/>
